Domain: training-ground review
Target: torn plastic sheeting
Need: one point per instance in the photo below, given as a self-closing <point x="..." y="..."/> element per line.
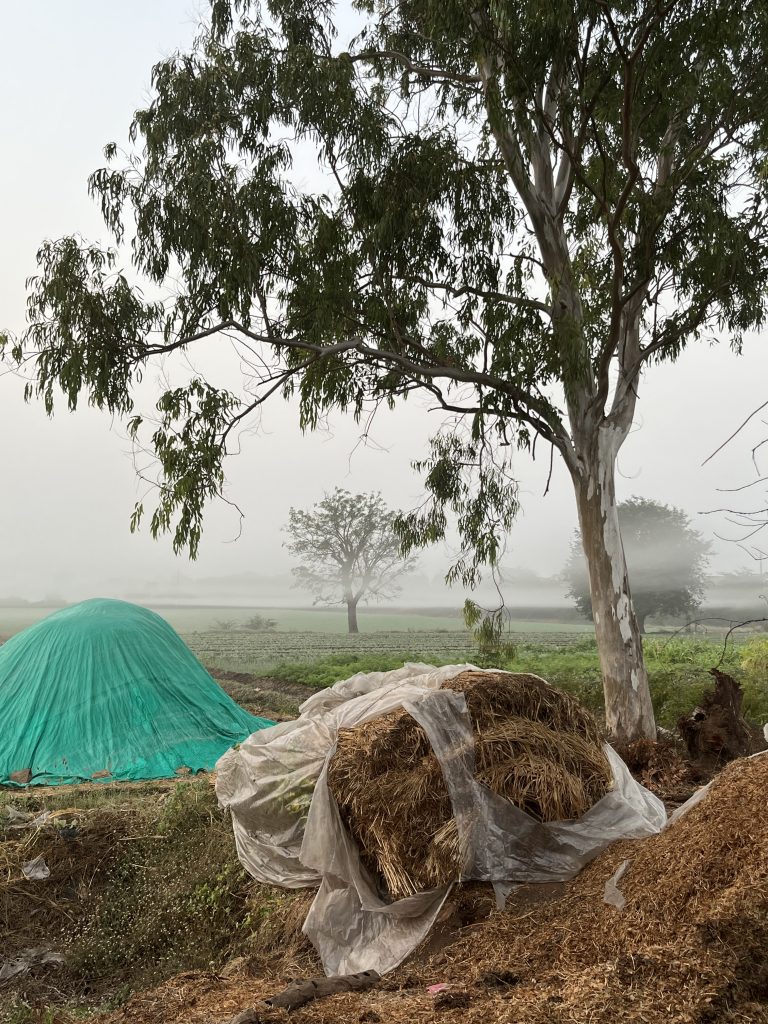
<point x="269" y="781"/>
<point x="26" y="961"/>
<point x="36" y="870"/>
<point x="351" y="925"/>
<point x="17" y="819"/>
<point x="611" y="893"/>
<point x="366" y="682"/>
<point x="354" y="929"/>
<point x="502" y="891"/>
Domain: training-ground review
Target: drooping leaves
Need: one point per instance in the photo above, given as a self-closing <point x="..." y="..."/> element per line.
<point x="497" y="203"/>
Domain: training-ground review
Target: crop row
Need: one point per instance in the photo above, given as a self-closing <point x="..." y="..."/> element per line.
<point x="275" y="647"/>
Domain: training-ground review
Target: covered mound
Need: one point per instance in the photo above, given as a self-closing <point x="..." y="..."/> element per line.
<point x="106" y="690"/>
<point x="534" y="745"/>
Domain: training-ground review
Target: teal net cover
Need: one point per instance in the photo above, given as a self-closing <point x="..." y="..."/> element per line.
<point x="106" y="690"/>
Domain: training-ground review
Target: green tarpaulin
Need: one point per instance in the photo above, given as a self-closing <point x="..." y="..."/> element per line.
<point x="106" y="690"/>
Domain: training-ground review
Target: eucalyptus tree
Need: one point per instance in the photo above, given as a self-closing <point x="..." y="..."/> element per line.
<point x="520" y="205"/>
<point x="348" y="550"/>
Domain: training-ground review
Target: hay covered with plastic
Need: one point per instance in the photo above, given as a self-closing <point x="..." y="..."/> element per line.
<point x="392" y="786"/>
<point x="533" y="745"/>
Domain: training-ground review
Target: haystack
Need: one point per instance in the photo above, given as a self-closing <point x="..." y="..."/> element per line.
<point x="534" y="745"/>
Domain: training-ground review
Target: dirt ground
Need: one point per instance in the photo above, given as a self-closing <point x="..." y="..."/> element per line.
<point x="264" y="696"/>
<point x="690" y="946"/>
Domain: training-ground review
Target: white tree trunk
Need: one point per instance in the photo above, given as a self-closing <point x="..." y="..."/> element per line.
<point x="628" y="709"/>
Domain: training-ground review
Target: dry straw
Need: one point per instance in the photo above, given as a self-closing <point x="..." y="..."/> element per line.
<point x="534" y="745"/>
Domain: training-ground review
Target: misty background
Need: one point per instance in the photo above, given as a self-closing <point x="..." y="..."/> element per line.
<point x="71" y="75"/>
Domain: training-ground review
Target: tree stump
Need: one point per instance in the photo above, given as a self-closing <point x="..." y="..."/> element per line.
<point x="716" y="731"/>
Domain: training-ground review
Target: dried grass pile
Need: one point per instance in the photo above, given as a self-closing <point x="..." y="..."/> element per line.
<point x="534" y="745"/>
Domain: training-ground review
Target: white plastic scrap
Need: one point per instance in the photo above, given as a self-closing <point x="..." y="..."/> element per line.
<point x="36" y="870"/>
<point x="612" y="894"/>
<point x="17" y="819"/>
<point x="26" y="961"/>
<point x="289" y="832"/>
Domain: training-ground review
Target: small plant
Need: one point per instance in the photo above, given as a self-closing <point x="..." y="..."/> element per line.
<point x="487" y="629"/>
<point x="225" y="625"/>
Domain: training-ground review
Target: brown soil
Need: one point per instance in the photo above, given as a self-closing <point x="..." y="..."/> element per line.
<point x="77" y="847"/>
<point x="664" y="769"/>
<point x="689" y="947"/>
<point x="263" y="695"/>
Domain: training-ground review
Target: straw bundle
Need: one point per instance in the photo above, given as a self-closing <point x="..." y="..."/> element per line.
<point x="534" y="745"/>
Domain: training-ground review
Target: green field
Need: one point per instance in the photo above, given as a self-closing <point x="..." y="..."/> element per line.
<point x="311" y="647"/>
<point x="259" y="651"/>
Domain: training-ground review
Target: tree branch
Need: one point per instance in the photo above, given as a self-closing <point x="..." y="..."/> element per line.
<point x="440" y="74"/>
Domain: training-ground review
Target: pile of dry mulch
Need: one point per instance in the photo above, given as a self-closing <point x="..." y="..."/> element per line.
<point x="690" y="945"/>
<point x="663" y="768"/>
<point x="533" y="744"/>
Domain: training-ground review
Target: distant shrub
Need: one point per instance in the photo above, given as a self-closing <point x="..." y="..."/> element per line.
<point x="225" y="625"/>
<point x="259" y="624"/>
<point x="680" y="651"/>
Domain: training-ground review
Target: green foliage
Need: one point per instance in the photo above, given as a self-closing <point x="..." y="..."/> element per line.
<point x="172" y="903"/>
<point x="754" y="658"/>
<point x="678" y="670"/>
<point x="666" y="558"/>
<point x="18" y="1011"/>
<point x="326" y="671"/>
<point x="169" y="896"/>
<point x="512" y="199"/>
<point x="488" y="630"/>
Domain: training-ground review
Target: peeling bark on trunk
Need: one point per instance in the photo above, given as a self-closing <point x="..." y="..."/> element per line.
<point x="628" y="709"/>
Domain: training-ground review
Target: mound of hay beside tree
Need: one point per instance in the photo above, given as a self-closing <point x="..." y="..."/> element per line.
<point x="534" y="745"/>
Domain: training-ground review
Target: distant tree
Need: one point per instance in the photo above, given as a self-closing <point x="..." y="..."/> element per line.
<point x="667" y="561"/>
<point x="348" y="549"/>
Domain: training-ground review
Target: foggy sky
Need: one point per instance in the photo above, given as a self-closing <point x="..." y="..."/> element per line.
<point x="71" y="75"/>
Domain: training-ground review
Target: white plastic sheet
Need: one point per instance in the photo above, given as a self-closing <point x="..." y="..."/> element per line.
<point x="289" y="831"/>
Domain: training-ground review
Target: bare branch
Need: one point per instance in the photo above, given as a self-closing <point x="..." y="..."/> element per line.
<point x="736" y="433"/>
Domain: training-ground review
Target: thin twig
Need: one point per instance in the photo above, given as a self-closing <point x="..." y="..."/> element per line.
<point x="737" y="431"/>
